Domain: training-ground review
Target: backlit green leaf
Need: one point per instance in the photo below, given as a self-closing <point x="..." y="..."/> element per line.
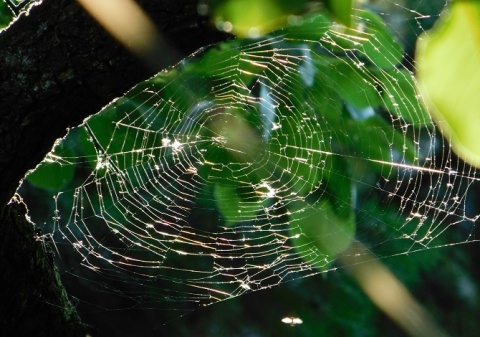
<point x="309" y="28"/>
<point x="352" y="83"/>
<point x="376" y="40"/>
<point x="233" y="207"/>
<point x="321" y="228"/>
<point x="56" y="171"/>
<point x="342" y="10"/>
<point x="337" y="182"/>
<point x="448" y="60"/>
<point x="377" y="144"/>
<point x="400" y="97"/>
<point x="296" y="150"/>
<point x="252" y="18"/>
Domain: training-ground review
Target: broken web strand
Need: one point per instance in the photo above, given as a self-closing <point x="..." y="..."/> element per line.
<point x="332" y="130"/>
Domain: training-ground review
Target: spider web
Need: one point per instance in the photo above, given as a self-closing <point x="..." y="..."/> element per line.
<point x="195" y="186"/>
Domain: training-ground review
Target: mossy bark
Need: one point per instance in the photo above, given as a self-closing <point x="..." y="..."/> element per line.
<point x="34" y="302"/>
<point x="58" y="66"/>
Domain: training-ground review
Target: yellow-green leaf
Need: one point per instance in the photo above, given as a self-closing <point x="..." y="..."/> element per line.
<point x="253" y="18"/>
<point x="448" y="61"/>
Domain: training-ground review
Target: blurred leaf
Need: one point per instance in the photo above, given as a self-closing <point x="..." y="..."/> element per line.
<point x="376" y="40"/>
<point x="233" y="207"/>
<point x="6" y="15"/>
<point x="342" y="10"/>
<point x="87" y="147"/>
<point x="321" y="228"/>
<point x="237" y="150"/>
<point x="311" y="27"/>
<point x="252" y="18"/>
<point x="369" y="144"/>
<point x="217" y="60"/>
<point x="400" y="97"/>
<point x="103" y="126"/>
<point x="295" y="149"/>
<point x="448" y="60"/>
<point x="326" y="102"/>
<point x="376" y="142"/>
<point x="353" y="84"/>
<point x="338" y="185"/>
<point x="56" y="171"/>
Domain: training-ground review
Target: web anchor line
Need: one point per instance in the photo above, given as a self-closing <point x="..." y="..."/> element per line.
<point x="16" y="9"/>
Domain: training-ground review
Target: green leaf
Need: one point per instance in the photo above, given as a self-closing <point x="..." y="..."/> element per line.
<point x="308" y="28"/>
<point x="262" y="18"/>
<point x="56" y="171"/>
<point x="238" y="149"/>
<point x="320" y="228"/>
<point x="5" y="15"/>
<point x="218" y="60"/>
<point x="377" y="143"/>
<point x="448" y="61"/>
<point x="103" y="125"/>
<point x="233" y="207"/>
<point x="371" y="143"/>
<point x="326" y="102"/>
<point x="296" y="150"/>
<point x="337" y="182"/>
<point x="377" y="41"/>
<point x="353" y="84"/>
<point x="401" y="99"/>
<point x="342" y="10"/>
<point x="237" y="135"/>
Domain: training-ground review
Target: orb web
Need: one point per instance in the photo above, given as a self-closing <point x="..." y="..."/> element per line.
<point x="196" y="185"/>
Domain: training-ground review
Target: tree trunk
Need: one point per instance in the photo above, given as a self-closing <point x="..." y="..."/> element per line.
<point x="58" y="66"/>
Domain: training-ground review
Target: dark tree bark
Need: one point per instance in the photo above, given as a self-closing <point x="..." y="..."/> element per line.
<point x="58" y="66"/>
